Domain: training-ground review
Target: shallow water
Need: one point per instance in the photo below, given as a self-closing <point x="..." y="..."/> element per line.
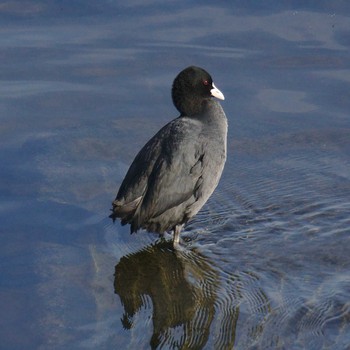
<point x="266" y="265"/>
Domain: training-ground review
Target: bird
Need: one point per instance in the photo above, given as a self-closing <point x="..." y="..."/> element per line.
<point x="178" y="169"/>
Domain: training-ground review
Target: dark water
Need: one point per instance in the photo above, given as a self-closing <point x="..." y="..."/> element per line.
<point x="267" y="266"/>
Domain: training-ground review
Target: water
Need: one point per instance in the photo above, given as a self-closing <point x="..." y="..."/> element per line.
<point x="83" y="86"/>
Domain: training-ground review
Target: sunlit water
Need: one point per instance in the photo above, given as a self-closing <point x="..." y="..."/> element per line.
<point x="265" y="264"/>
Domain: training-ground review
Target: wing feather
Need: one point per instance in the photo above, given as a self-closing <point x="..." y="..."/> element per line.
<point x="162" y="176"/>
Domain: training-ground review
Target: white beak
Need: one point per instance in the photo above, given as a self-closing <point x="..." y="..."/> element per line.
<point x="217" y="93"/>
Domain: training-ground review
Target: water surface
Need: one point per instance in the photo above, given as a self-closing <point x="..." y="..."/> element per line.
<point x="266" y="266"/>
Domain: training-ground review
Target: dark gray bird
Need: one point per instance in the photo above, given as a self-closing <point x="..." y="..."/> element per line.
<point x="178" y="169"/>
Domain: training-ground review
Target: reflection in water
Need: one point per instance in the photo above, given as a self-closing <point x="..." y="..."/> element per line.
<point x="184" y="288"/>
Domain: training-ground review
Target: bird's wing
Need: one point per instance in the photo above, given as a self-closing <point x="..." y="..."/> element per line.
<point x="175" y="176"/>
<point x="134" y="185"/>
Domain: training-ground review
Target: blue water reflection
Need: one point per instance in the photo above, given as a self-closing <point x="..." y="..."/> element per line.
<point x="83" y="85"/>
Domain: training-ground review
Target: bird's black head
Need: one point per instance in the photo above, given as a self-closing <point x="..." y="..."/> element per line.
<point x="191" y="87"/>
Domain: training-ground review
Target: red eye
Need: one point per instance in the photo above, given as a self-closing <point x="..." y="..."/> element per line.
<point x="205" y="82"/>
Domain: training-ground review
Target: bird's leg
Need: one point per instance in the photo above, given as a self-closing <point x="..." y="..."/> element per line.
<point x="177" y="230"/>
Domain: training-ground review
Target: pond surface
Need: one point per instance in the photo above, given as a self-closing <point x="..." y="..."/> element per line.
<point x="84" y="85"/>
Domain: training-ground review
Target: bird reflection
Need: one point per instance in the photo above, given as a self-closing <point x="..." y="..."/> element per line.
<point x="183" y="287"/>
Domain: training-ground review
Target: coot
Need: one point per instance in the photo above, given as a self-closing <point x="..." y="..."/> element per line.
<point x="178" y="169"/>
